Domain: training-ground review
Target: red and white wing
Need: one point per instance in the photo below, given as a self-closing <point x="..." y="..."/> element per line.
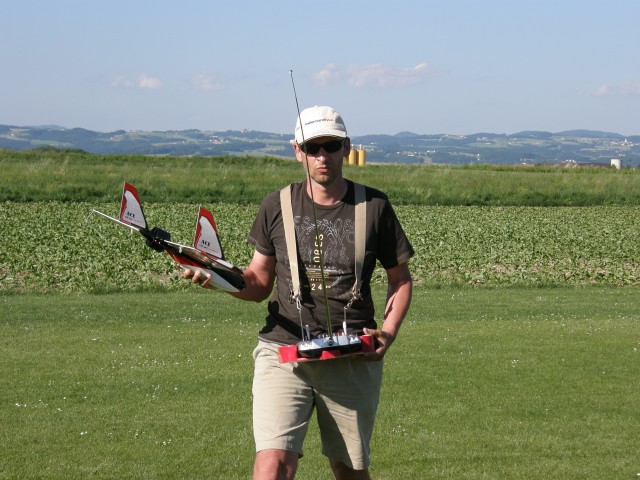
<point x="206" y="238"/>
<point x="131" y="207"/>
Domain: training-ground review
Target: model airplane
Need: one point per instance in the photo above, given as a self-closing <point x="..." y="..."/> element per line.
<point x="206" y="254"/>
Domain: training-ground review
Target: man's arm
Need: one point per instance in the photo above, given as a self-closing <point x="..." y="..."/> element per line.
<point x="399" y="290"/>
<point x="259" y="277"/>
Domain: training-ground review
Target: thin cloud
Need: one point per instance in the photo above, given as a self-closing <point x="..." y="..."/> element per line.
<point x="375" y="75"/>
<point x="330" y="74"/>
<point x="206" y="83"/>
<point x="629" y="88"/>
<point x="144" y="81"/>
<point x="121" y="82"/>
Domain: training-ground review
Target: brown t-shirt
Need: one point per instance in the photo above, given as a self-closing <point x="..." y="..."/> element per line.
<point x="386" y="242"/>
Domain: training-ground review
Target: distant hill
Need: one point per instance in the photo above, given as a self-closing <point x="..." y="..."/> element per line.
<point x="590" y="134"/>
<point x="48" y="127"/>
<point x="571" y="147"/>
<point x="532" y="134"/>
<point x="406" y="135"/>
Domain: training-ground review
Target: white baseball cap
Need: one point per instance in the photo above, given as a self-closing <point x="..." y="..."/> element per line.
<point x="319" y="122"/>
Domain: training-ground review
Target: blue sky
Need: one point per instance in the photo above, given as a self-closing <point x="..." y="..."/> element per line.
<point x="429" y="67"/>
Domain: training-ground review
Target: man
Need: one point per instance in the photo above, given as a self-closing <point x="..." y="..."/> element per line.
<point x="343" y="391"/>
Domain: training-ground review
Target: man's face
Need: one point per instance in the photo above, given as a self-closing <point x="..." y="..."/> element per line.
<point x="323" y="161"/>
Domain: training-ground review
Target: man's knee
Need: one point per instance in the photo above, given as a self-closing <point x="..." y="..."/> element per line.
<point x="343" y="472"/>
<point x="274" y="464"/>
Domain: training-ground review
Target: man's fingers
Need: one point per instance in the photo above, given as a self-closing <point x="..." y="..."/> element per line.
<point x="382" y="342"/>
<point x="196" y="276"/>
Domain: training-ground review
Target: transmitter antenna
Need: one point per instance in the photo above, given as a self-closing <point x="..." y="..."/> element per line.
<point x="315" y="219"/>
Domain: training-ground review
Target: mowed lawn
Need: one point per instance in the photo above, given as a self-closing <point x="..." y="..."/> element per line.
<point x="482" y="384"/>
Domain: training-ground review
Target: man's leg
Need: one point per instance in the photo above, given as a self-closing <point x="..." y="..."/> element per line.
<point x="275" y="464"/>
<point x="342" y="472"/>
<point x="282" y="406"/>
<point x="346" y="405"/>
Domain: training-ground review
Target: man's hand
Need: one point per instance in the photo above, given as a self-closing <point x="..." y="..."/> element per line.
<point x="398" y="300"/>
<point x="382" y="341"/>
<point x="198" y="277"/>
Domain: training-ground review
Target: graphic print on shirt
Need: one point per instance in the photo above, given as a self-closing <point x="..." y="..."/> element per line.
<point x="336" y="239"/>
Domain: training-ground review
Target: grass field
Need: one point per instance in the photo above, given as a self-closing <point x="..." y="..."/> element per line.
<point x="80" y="177"/>
<point x="481" y="384"/>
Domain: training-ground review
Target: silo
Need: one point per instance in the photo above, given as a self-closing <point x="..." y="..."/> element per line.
<point x="353" y="157"/>
<point x="362" y="158"/>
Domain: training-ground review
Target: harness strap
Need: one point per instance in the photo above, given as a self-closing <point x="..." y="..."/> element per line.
<point x="360" y="239"/>
<point x="290" y="238"/>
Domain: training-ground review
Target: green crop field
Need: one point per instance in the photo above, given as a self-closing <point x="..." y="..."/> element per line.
<point x="62" y="247"/>
<point x="518" y="359"/>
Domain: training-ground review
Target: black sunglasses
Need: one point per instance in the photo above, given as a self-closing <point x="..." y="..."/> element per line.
<point x="329" y="147"/>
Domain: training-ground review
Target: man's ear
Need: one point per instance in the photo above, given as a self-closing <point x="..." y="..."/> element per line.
<point x="347" y="146"/>
<point x="298" y="152"/>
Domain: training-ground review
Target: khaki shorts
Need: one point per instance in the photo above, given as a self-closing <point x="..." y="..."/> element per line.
<point x="345" y="393"/>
